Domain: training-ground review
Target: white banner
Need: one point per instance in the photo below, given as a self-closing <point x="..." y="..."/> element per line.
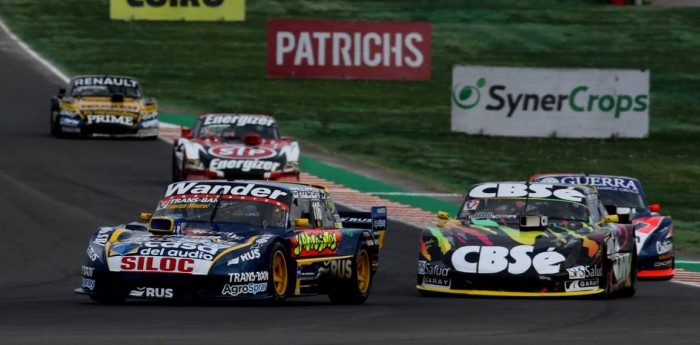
<point x="546" y="102"/>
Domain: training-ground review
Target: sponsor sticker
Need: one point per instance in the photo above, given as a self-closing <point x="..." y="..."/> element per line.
<point x="152" y="292"/>
<point x="581" y="285"/>
<point x="86" y="271"/>
<point x="315" y="242"/>
<point x="244" y="165"/>
<point x="537" y="190"/>
<point x="581" y="272"/>
<point x="245" y="289"/>
<point x="88" y="284"/>
<point x="247" y="277"/>
<point x="516" y="260"/>
<point x="249" y="189"/>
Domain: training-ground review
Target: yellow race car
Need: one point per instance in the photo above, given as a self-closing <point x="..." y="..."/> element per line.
<point x="103" y="105"/>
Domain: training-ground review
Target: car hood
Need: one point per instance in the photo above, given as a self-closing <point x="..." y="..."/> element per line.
<point x="471" y="248"/>
<point x="144" y="252"/>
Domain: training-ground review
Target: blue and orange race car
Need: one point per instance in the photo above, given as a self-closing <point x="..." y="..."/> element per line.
<point x="625" y="197"/>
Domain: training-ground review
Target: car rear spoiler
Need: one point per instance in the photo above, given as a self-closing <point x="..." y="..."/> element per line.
<point x="375" y="219"/>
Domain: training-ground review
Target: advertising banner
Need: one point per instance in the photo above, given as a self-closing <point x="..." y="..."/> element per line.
<point x="190" y="10"/>
<point x="548" y="102"/>
<point x="348" y="49"/>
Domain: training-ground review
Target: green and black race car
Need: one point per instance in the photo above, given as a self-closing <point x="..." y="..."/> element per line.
<point x="528" y="239"/>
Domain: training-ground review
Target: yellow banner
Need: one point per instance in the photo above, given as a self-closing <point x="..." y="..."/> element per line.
<point x="195" y="10"/>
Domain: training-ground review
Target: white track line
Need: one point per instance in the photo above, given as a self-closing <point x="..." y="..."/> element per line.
<point x="51" y="67"/>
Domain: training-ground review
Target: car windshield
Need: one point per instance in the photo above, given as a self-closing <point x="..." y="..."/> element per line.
<point x="621" y="199"/>
<point x="509" y="210"/>
<point x="236" y="133"/>
<point x="224" y="210"/>
<point x="106" y="91"/>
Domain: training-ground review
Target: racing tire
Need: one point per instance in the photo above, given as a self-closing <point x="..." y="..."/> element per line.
<point x="108" y="299"/>
<point x="55" y="127"/>
<point x="279" y="282"/>
<point x="356" y="289"/>
<point x="177" y="171"/>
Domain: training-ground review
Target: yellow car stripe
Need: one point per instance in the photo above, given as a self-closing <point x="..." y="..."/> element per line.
<point x="248" y="243"/>
<point x="512" y="293"/>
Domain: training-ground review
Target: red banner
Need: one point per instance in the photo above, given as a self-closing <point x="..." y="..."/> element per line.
<point x="348" y="49"/>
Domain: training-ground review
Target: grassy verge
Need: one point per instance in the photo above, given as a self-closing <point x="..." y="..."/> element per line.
<point x="405" y="126"/>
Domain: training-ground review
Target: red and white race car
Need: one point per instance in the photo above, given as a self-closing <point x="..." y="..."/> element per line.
<point x="235" y="146"/>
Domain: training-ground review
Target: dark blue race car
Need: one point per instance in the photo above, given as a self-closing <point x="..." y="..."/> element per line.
<point x="237" y="240"/>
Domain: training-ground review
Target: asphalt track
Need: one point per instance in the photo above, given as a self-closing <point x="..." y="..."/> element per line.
<point x="54" y="193"/>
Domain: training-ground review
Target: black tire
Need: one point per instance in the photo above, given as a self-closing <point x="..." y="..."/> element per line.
<point x="356" y="289"/>
<point x="280" y="278"/>
<point x="55" y="128"/>
<point x="177" y="172"/>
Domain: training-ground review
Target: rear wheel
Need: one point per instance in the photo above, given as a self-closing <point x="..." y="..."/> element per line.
<point x="355" y="290"/>
<point x="278" y="283"/>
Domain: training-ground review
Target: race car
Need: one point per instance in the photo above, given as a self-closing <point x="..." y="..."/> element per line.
<point x="625" y="197"/>
<point x="528" y="239"/>
<point x="103" y="105"/>
<point x="246" y="240"/>
<point x="235" y="146"/>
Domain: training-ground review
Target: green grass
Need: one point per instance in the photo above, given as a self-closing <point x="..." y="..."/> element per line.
<point x="405" y="126"/>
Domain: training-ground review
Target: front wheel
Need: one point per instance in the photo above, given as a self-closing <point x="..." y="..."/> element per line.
<point x="55" y="127"/>
<point x="278" y="283"/>
<point x="356" y="289"/>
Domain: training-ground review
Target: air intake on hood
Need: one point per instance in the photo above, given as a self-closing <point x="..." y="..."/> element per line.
<point x="117" y="98"/>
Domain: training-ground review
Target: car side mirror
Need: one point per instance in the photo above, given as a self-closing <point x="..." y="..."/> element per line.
<point x="145" y="216"/>
<point x="301" y="222"/>
<point x="186" y="132"/>
<point x="655" y="207"/>
<point x="612" y="219"/>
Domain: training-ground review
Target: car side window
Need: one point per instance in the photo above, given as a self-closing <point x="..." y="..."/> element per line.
<point x="301" y="210"/>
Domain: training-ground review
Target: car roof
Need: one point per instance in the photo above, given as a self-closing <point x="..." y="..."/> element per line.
<point x="102" y="76"/>
<point x="292" y="187"/>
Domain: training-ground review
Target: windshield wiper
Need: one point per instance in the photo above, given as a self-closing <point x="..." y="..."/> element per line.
<point x="216" y="208"/>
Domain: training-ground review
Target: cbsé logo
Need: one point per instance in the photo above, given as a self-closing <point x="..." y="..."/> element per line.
<point x="349" y="49"/>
